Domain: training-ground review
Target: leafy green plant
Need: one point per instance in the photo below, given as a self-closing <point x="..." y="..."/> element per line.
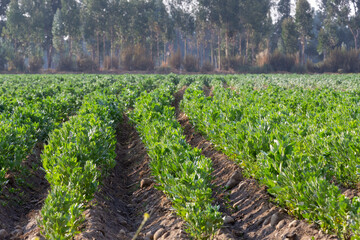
<point x="181" y="171"/>
<point x="293" y="140"/>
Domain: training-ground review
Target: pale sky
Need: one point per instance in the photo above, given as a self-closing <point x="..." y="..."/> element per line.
<point x="313" y="3"/>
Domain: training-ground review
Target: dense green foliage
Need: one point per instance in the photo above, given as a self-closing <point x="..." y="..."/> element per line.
<point x="31" y="107"/>
<point x="75" y="159"/>
<point x="296" y="134"/>
<point x="182" y="172"/>
<point x="297" y="141"/>
<point x="80" y="150"/>
<point x="80" y="154"/>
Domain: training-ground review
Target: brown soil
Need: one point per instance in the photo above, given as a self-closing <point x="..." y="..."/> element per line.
<point x="21" y="202"/>
<point x="118" y="208"/>
<point x="248" y="203"/>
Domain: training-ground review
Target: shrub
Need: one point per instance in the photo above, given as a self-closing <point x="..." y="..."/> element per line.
<point x="136" y="58"/>
<point x="262" y="58"/>
<point x="315" y="67"/>
<point x="282" y="62"/>
<point x="343" y="60"/>
<point x="190" y="64"/>
<point x="207" y="67"/>
<point x="17" y="63"/>
<point x="66" y="64"/>
<point x="266" y="68"/>
<point x="297" y="68"/>
<point x="233" y="63"/>
<point x="2" y="57"/>
<point x="111" y="63"/>
<point x="85" y="63"/>
<point x="175" y="59"/>
<point x="35" y="63"/>
<point x="163" y="69"/>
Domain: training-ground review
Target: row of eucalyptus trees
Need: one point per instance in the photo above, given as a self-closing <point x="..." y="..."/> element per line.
<point x="210" y="30"/>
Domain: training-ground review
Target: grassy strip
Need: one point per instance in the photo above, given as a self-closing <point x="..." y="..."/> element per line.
<point x="256" y="129"/>
<point x="181" y="171"/>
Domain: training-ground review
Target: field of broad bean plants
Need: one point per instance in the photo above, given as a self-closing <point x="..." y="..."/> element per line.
<point x="205" y="156"/>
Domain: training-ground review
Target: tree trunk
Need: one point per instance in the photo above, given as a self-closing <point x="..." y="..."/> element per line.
<point x="70" y="47"/>
<point x="252" y="53"/>
<point x="303" y="42"/>
<point x="111" y="48"/>
<point x="197" y="48"/>
<point x="203" y="48"/>
<point x="104" y="50"/>
<point x="227" y="44"/>
<point x="151" y="49"/>
<point x="49" y="56"/>
<point x="247" y="47"/>
<point x="164" y="60"/>
<point x="355" y="41"/>
<point x="355" y="36"/>
<point x="240" y="45"/>
<point x="98" y="48"/>
<point x="185" y="47"/>
<point x="157" y="49"/>
<point x="211" y="49"/>
<point x="219" y="49"/>
<point x="93" y="53"/>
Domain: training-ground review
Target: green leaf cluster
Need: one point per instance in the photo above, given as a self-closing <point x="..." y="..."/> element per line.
<point x="78" y="155"/>
<point x="181" y="171"/>
<point x="301" y="143"/>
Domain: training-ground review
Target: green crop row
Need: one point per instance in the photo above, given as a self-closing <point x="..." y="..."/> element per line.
<point x="300" y="143"/>
<point x="182" y="173"/>
<point x="28" y="114"/>
<point x="31" y="106"/>
<point x="78" y="155"/>
<point x="81" y="153"/>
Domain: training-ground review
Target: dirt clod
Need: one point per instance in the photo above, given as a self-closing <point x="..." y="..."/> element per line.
<point x="16" y="233"/>
<point x="234" y="180"/>
<point x="267" y="221"/>
<point x="122" y="232"/>
<point x="149" y="235"/>
<point x="281" y="224"/>
<point x="146" y="182"/>
<point x="289" y="236"/>
<point x="158" y="234"/>
<point x="275" y="218"/>
<point x="3" y="234"/>
<point x="294" y="223"/>
<point x="229" y="220"/>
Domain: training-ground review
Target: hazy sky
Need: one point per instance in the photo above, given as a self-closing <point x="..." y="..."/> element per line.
<point x="313" y="3"/>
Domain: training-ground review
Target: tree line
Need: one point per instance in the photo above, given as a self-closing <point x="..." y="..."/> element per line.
<point x="264" y="35"/>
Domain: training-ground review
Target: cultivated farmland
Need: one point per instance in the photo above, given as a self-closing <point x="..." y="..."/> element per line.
<point x="207" y="157"/>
